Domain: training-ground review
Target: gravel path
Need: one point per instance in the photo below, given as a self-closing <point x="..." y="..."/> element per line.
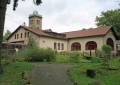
<point x="50" y="74"/>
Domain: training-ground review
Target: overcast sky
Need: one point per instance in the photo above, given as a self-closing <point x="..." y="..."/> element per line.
<point x="59" y="15"/>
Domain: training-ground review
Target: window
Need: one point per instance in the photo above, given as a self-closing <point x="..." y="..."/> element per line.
<point x="38" y="21"/>
<point x="31" y="22"/>
<point x="91" y="45"/>
<point x="28" y="34"/>
<point x="17" y="36"/>
<point x="75" y="46"/>
<point x="62" y="46"/>
<point x="21" y="35"/>
<point x="110" y="43"/>
<point x="55" y="46"/>
<point x="58" y="46"/>
<point x="25" y="34"/>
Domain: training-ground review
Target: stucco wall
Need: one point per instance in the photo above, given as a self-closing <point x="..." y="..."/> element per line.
<point x="110" y="35"/>
<point x="47" y="42"/>
<point x="21" y="30"/>
<point x="83" y="41"/>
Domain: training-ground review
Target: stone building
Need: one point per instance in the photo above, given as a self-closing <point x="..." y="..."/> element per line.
<point x="81" y="40"/>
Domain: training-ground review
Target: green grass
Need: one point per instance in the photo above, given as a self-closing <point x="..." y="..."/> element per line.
<point x="12" y="73"/>
<point x="110" y="77"/>
<point x="61" y="58"/>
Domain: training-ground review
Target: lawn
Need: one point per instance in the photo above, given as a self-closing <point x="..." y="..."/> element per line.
<point x="12" y="73"/>
<point x="104" y="77"/>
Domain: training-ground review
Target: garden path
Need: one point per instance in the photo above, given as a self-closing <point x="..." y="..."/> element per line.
<point x="50" y="74"/>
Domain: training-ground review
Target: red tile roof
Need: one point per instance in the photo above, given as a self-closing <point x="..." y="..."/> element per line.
<point x="36" y="31"/>
<point x="40" y="32"/>
<point x="88" y="32"/>
<point x="74" y="34"/>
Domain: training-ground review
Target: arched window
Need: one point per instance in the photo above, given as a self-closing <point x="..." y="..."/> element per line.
<point x="110" y="43"/>
<point x="91" y="45"/>
<point x="75" y="46"/>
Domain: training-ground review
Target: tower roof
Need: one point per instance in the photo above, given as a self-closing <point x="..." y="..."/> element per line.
<point x="35" y="14"/>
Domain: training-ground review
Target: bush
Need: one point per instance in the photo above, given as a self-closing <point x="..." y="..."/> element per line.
<point x="36" y="54"/>
<point x="74" y="57"/>
<point x="106" y="49"/>
<point x="99" y="53"/>
<point x="6" y="54"/>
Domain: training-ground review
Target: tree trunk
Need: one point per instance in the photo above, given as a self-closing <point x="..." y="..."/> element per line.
<point x="3" y="4"/>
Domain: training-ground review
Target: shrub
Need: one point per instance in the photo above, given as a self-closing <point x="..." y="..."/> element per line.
<point x="36" y="54"/>
<point x="74" y="57"/>
<point x="62" y="58"/>
<point x="106" y="49"/>
<point x="99" y="53"/>
<point x="96" y="59"/>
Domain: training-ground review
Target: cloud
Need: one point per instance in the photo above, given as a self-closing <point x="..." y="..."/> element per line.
<point x="67" y="15"/>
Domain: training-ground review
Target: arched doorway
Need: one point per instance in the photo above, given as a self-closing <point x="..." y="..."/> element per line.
<point x="110" y="42"/>
<point x="76" y="46"/>
<point x="91" y="45"/>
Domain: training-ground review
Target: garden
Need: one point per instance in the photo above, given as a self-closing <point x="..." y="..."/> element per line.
<point x="99" y="69"/>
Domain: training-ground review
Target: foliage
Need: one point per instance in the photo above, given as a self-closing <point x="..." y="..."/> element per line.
<point x="106" y="49"/>
<point x="110" y="18"/>
<point x="3" y="6"/>
<point x="77" y="73"/>
<point x="62" y="57"/>
<point x="31" y="43"/>
<point x="37" y="2"/>
<point x="12" y="73"/>
<point x="6" y="35"/>
<point x="99" y="53"/>
<point x="39" y="54"/>
<point x="34" y="53"/>
<point x="74" y="57"/>
<point x="69" y="57"/>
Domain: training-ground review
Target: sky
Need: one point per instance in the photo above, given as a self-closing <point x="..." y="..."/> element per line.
<point x="59" y="15"/>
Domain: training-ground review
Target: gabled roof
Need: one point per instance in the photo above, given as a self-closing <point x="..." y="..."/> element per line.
<point x="99" y="31"/>
<point x="40" y="32"/>
<point x="88" y="32"/>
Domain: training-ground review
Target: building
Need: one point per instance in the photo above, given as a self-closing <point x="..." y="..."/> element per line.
<point x="81" y="40"/>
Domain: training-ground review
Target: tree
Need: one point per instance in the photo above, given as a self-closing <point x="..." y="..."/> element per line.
<point x="6" y="35"/>
<point x="3" y="6"/>
<point x="110" y="18"/>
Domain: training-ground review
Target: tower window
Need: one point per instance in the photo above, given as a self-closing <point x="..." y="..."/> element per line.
<point x="38" y="21"/>
<point x="31" y="21"/>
